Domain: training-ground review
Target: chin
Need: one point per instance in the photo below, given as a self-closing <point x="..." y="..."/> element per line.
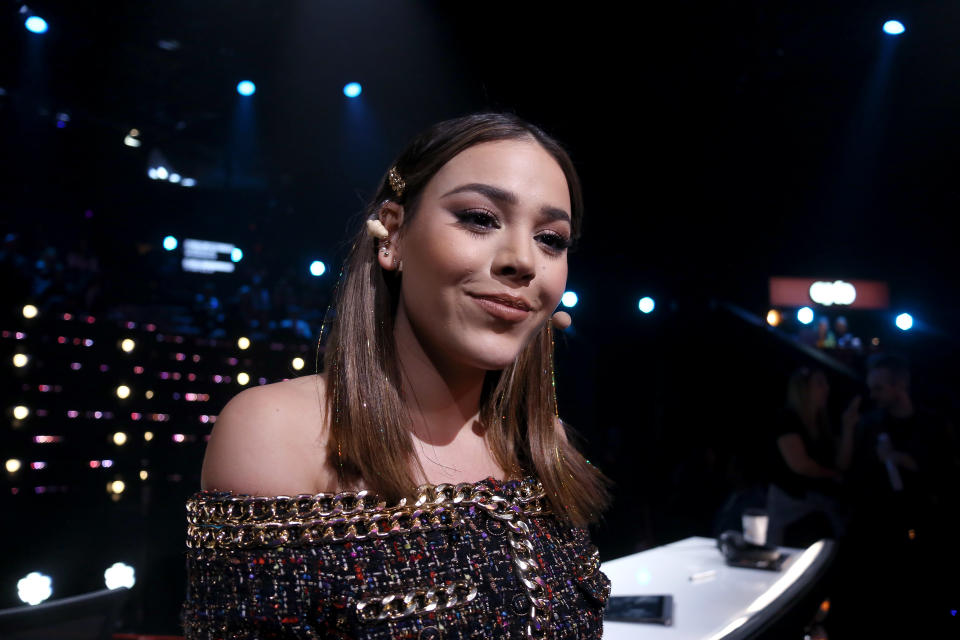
<point x="496" y="352"/>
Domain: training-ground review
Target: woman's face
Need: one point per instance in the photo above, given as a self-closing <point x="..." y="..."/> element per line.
<point x="484" y="258"/>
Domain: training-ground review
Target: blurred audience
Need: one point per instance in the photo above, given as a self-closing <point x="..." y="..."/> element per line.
<point x="803" y="497"/>
<point x="71" y="280"/>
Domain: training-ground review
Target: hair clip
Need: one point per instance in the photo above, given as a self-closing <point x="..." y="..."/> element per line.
<point x="396" y="182"/>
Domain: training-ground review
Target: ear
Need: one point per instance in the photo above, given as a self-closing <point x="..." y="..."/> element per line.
<point x="391" y="215"/>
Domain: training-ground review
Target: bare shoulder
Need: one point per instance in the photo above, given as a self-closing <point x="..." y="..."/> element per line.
<point x="271" y="440"/>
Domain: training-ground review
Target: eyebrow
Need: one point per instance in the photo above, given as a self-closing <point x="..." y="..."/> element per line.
<point x="507" y="197"/>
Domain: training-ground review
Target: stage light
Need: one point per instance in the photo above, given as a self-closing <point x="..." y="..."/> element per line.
<point x="116" y="487"/>
<point x="130" y="141"/>
<point x="143" y="474"/>
<point x="128" y="345"/>
<point x="805" y="315"/>
<point x="149" y="394"/>
<point x="893" y="27"/>
<point x="317" y="268"/>
<point x="569" y="299"/>
<point x="13" y="465"/>
<point x="297" y="363"/>
<point x="148" y="435"/>
<point x="773" y="318"/>
<point x="29" y="311"/>
<point x="20" y="412"/>
<point x="119" y="438"/>
<point x="352" y="89"/>
<point x="174" y="178"/>
<point x="20" y="359"/>
<point x="119" y="575"/>
<point x="162" y="173"/>
<point x="188" y="182"/>
<point x="242" y="378"/>
<point x="246" y="88"/>
<point x="34" y="588"/>
<point x="36" y="24"/>
<point x="646" y="304"/>
<point x="904" y="322"/>
<point x="243" y="343"/>
<point x="236" y="254"/>
<point x="123" y="391"/>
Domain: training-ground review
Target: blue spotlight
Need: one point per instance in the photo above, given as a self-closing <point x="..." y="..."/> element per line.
<point x="893" y="27"/>
<point x="352" y="89"/>
<point x="569" y="299"/>
<point x="904" y="321"/>
<point x="236" y="254"/>
<point x="317" y="268"/>
<point x="805" y="315"/>
<point x="646" y="304"/>
<point x="36" y="24"/>
<point x="169" y="243"/>
<point x="246" y="88"/>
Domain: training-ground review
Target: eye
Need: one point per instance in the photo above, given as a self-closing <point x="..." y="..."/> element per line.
<point x="554" y="241"/>
<point x="478" y="219"/>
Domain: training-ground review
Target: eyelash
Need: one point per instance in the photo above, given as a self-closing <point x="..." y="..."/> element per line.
<point x="475" y="219"/>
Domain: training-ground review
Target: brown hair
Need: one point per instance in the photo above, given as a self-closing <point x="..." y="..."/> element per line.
<point x="370" y="436"/>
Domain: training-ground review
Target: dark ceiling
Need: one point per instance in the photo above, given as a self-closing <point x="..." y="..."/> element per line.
<point x="720" y="143"/>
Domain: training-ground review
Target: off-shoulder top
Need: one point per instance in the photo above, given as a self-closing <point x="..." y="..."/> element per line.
<point x="481" y="560"/>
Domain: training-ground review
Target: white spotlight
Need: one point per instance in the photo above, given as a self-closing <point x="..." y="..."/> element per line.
<point x="904" y="322"/>
<point x="893" y="27"/>
<point x="35" y="587"/>
<point x="569" y="299"/>
<point x="646" y="304"/>
<point x="119" y="575"/>
<point x="805" y="315"/>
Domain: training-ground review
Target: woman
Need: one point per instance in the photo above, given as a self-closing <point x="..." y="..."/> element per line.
<point x="809" y="461"/>
<point x="438" y="494"/>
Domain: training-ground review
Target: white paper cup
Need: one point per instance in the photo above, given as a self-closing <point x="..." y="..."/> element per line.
<point x="755" y="523"/>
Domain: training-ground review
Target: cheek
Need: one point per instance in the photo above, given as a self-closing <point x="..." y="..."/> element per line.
<point x="554" y="282"/>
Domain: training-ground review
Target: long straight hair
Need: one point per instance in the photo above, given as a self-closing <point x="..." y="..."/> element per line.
<point x="370" y="423"/>
<point x="800" y="401"/>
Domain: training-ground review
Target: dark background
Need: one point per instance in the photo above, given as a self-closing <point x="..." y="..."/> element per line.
<point x="719" y="144"/>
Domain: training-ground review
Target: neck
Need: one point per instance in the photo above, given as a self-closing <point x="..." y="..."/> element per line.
<point x="443" y="399"/>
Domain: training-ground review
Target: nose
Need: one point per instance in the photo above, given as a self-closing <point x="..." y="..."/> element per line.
<point x="515" y="257"/>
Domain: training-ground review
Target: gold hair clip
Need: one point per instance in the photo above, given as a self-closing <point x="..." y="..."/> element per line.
<point x="396" y="182"/>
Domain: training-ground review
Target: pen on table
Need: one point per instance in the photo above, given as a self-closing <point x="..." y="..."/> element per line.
<point x="703" y="575"/>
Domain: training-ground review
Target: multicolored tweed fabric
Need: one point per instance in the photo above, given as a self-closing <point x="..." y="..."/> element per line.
<point x="482" y="560"/>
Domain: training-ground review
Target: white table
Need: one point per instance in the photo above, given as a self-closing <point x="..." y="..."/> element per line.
<point x="732" y="604"/>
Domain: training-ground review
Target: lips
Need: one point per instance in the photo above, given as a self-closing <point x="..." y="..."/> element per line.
<point x="504" y="307"/>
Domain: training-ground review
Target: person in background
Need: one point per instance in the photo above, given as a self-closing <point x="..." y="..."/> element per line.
<point x="825" y="337"/>
<point x="903" y="482"/>
<point x="845" y="339"/>
<point x="809" y="460"/>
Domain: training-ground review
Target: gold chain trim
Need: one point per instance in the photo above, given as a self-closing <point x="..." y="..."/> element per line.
<point x="416" y="601"/>
<point x="226" y="521"/>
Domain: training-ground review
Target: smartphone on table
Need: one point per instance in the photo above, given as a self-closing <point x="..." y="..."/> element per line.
<point x="655" y="609"/>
